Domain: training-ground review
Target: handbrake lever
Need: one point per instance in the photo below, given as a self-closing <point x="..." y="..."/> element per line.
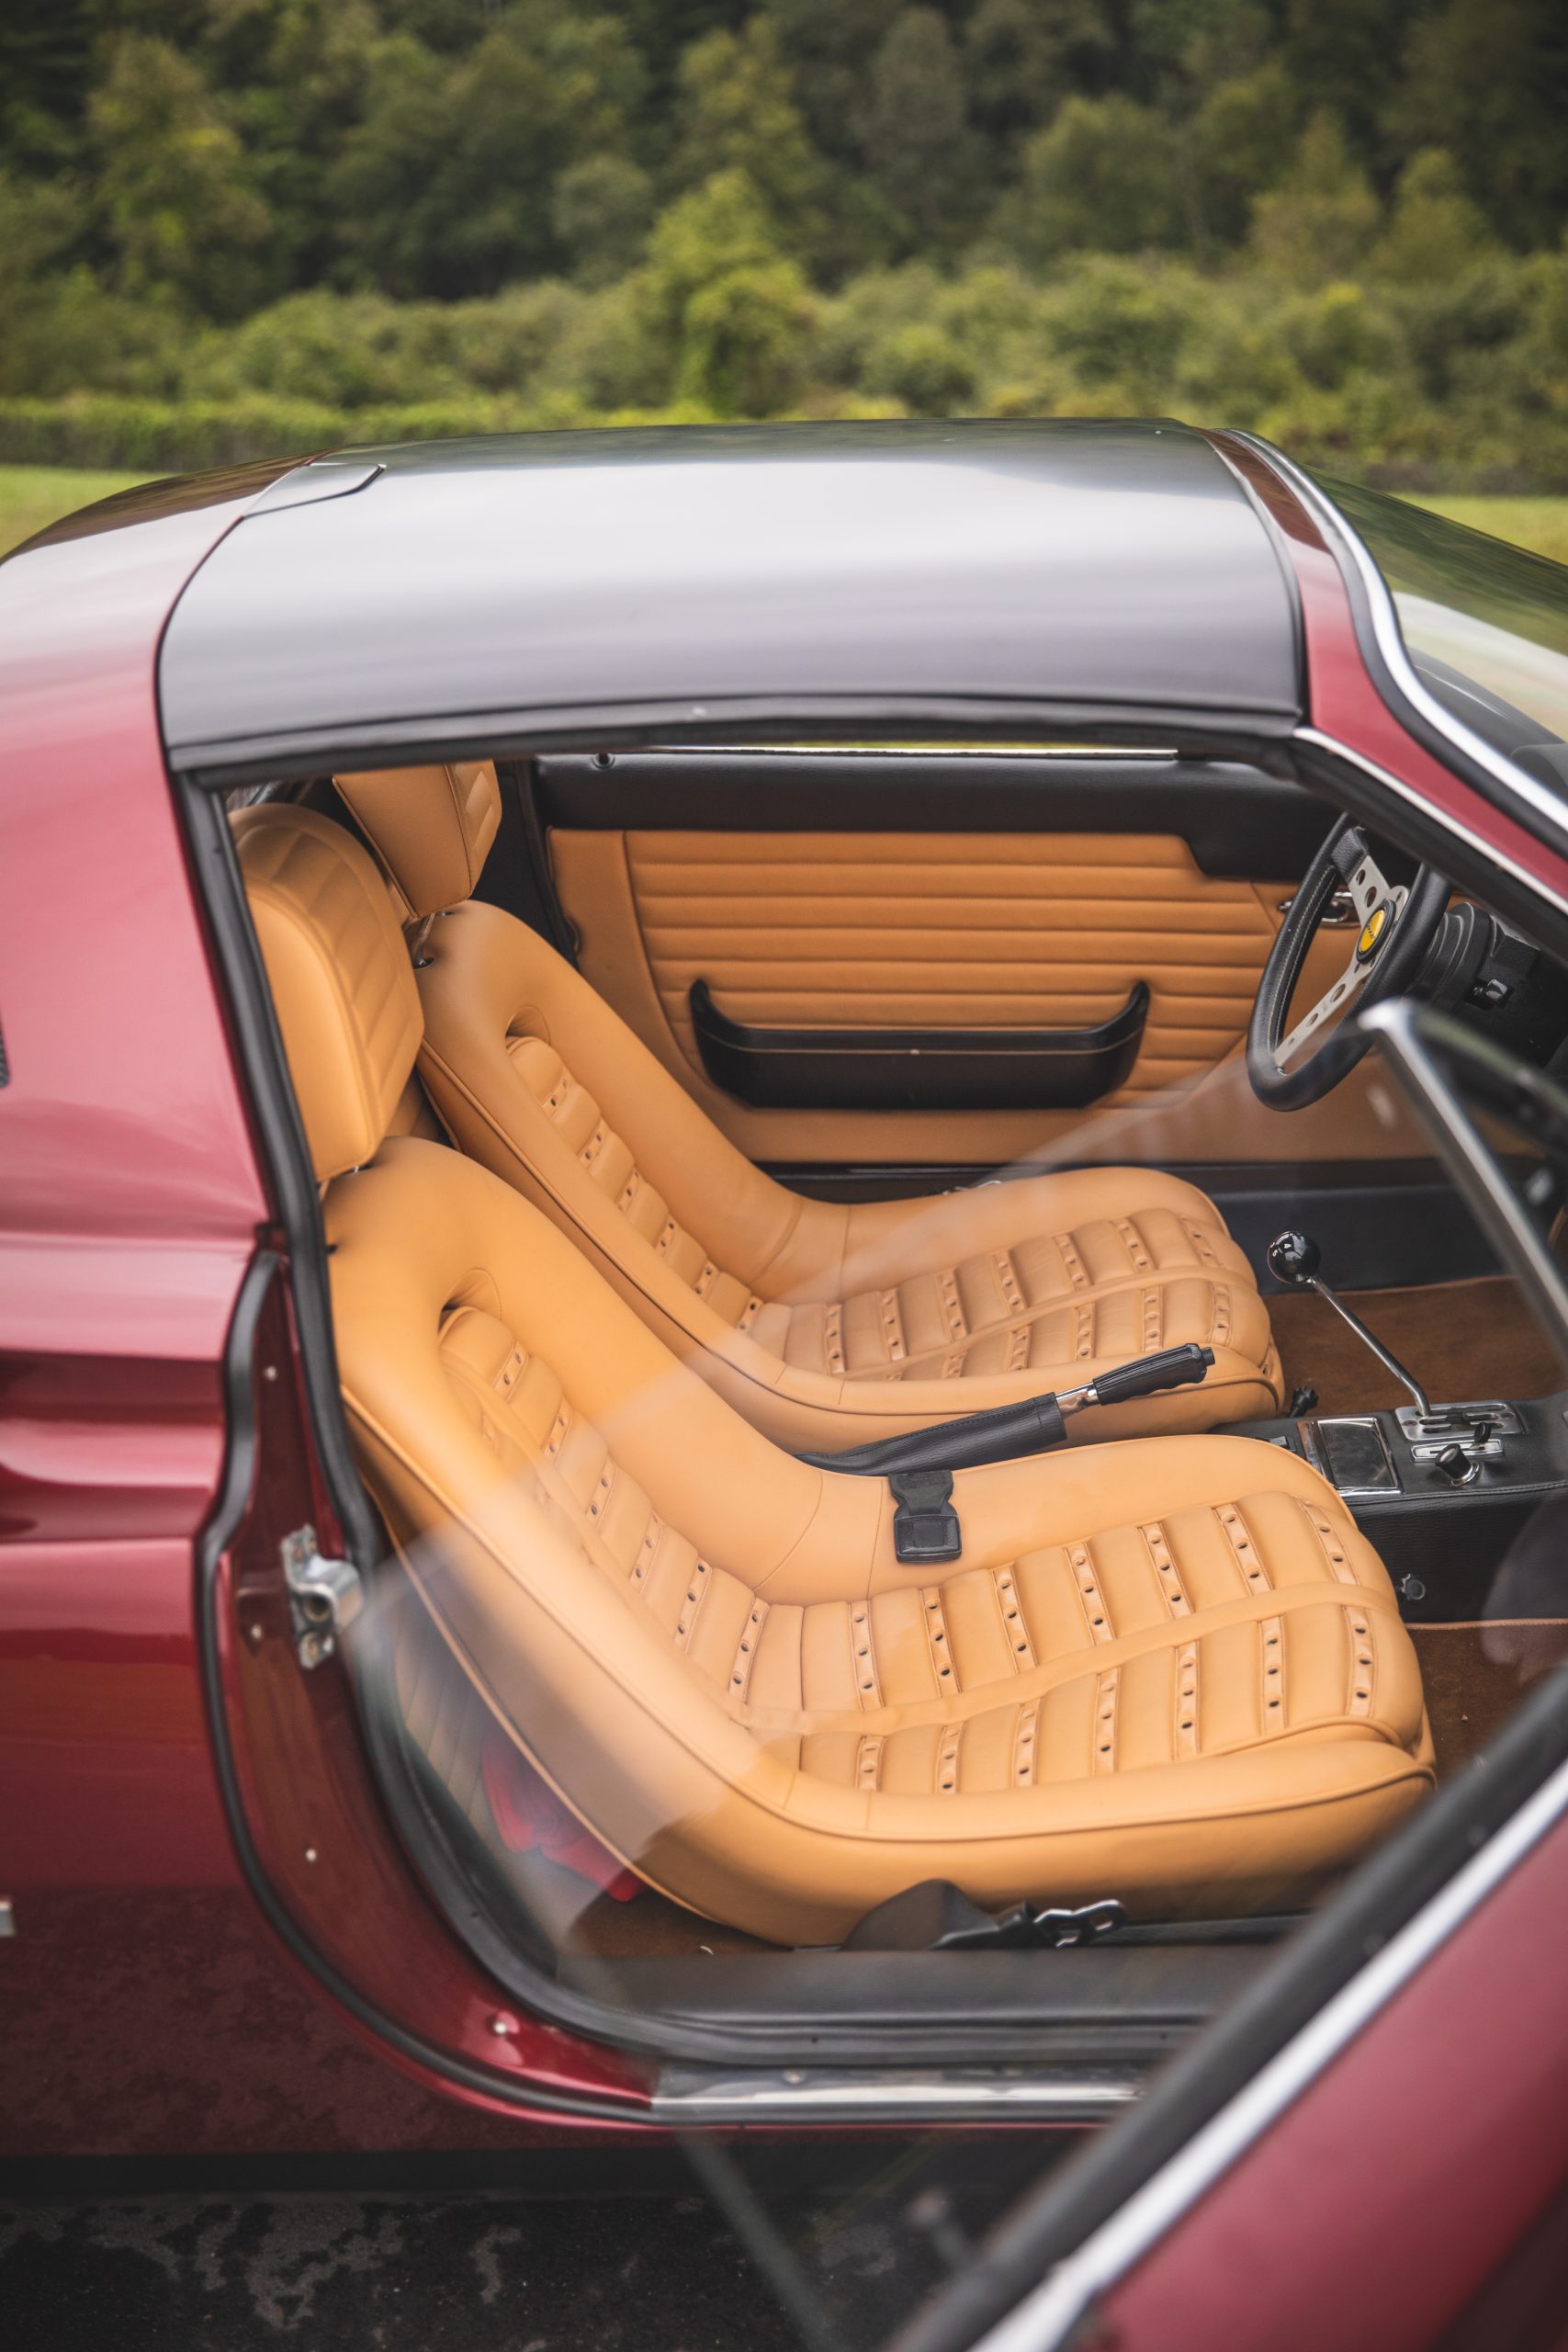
<point x="919" y="1466"/>
<point x="1008" y="1430"/>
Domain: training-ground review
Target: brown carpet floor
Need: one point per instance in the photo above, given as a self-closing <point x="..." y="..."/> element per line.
<point x="1464" y="1341"/>
<point x="1474" y="1677"/>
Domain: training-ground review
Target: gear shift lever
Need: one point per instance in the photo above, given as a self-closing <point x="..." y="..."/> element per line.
<point x="1293" y="1260"/>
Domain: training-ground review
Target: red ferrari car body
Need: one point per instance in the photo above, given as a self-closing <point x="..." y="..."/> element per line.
<point x="215" y="1940"/>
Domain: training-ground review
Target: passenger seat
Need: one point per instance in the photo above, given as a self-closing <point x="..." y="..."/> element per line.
<point x="825" y="1324"/>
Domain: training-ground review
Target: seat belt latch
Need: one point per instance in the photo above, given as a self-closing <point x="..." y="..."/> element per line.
<point x="925" y="1525"/>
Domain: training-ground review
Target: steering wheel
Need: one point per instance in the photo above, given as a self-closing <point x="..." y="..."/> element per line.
<point x="1397" y="926"/>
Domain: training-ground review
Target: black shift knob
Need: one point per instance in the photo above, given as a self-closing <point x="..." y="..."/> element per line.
<point x="1293" y="1258"/>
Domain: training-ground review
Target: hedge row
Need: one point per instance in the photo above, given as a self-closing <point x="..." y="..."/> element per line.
<point x="112" y="431"/>
<point x="125" y="432"/>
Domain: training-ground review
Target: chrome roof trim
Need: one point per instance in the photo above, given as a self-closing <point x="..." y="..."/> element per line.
<point x="1395" y="653"/>
<point x="1318" y="741"/>
<point x="1046" y="2318"/>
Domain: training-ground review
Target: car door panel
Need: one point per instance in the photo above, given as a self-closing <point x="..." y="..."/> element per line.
<point x="964" y="938"/>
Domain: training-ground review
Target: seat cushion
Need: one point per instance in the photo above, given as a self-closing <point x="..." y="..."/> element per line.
<point x="827" y="1324"/>
<point x="1170" y="1671"/>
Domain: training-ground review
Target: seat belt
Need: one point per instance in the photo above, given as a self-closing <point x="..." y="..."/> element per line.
<point x="918" y="1467"/>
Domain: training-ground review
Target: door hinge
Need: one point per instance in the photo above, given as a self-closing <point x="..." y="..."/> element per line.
<point x="323" y="1596"/>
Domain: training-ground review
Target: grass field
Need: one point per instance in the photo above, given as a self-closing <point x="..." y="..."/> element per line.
<point x="31" y="496"/>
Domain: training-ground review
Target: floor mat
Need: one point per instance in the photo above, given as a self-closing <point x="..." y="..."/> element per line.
<point x="1464" y="1341"/>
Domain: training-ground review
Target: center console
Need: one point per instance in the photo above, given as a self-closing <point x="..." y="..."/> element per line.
<point x="1445" y="1505"/>
<point x="1444" y="1491"/>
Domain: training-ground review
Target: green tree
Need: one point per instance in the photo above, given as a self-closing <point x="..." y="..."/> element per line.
<point x="1239" y="140"/>
<point x="1434" y="228"/>
<point x="1025" y="57"/>
<point x="1105" y="176"/>
<point x="1344" y="56"/>
<point x="181" y="213"/>
<point x="1488" y="81"/>
<point x="1320" y="220"/>
<point x="915" y="129"/>
<point x="444" y="186"/>
<point x="736" y="111"/>
<point x="599" y="212"/>
<point x="736" y="311"/>
<point x="830" y="45"/>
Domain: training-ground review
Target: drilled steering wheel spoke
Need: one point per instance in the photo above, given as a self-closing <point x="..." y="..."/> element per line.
<point x="1373" y="897"/>
<point x="1333" y="1000"/>
<point x="1369" y="886"/>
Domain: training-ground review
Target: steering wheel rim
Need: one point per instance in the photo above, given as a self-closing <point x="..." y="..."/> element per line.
<point x="1406" y="922"/>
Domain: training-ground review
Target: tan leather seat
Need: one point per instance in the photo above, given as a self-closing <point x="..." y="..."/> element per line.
<point x="825" y="1324"/>
<point x="1169" y="1670"/>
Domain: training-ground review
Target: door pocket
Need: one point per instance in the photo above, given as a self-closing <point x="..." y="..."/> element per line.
<point x="918" y="1069"/>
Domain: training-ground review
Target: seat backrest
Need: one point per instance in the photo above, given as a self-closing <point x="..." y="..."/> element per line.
<point x="431" y="827"/>
<point x="342" y="987"/>
<point x="537" y="1078"/>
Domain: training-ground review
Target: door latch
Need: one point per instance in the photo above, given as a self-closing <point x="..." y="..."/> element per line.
<point x="324" y="1596"/>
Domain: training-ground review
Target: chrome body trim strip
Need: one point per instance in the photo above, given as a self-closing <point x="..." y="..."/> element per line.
<point x="1396" y="655"/>
<point x="688" y="2095"/>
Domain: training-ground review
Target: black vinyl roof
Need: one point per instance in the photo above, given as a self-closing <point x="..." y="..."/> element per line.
<point x="443" y="593"/>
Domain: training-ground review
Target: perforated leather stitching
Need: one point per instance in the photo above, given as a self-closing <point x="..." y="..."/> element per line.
<point x="1010" y="1601"/>
<point x="685" y="1624"/>
<point x="1332" y="1550"/>
<point x="648" y="1549"/>
<point x="1246" y="1559"/>
<point x="1007" y="1282"/>
<point x="1106" y="1689"/>
<point x="864" y="1654"/>
<point x="936" y="1634"/>
<point x="1078" y="1278"/>
<point x="1096" y="1614"/>
<point x="1170" y="1582"/>
<point x="1187" y="1735"/>
<point x="746" y="1649"/>
<point x="947" y="1760"/>
<point x="1201" y="1240"/>
<point x="1025" y="1743"/>
<point x="1271" y="1658"/>
<point x="1133" y="1240"/>
<point x="1362" y="1666"/>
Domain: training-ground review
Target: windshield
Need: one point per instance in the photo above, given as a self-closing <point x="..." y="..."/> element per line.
<point x="1486" y="624"/>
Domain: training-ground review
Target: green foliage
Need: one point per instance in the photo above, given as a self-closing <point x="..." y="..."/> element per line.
<point x="1320" y="220"/>
<point x="1104" y="178"/>
<point x="181" y="211"/>
<point x="737" y="113"/>
<point x="920" y="151"/>
<point x="236" y="227"/>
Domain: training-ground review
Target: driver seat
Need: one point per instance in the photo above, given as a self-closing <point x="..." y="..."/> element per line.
<point x="827" y="1324"/>
<point x="1171" y="1671"/>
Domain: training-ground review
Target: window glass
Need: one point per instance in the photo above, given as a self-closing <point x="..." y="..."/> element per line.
<point x="1486" y="624"/>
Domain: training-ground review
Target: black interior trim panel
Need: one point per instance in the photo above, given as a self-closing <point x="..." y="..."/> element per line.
<point x="1237" y="820"/>
<point x="918" y="1069"/>
<point x="1383" y="1223"/>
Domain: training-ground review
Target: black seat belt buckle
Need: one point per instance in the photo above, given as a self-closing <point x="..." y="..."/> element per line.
<point x="925" y="1525"/>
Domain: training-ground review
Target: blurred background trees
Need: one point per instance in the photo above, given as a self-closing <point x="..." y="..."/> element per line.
<point x="229" y="227"/>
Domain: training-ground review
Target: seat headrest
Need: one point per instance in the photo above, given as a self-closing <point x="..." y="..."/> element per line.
<point x="342" y="983"/>
<point x="430" y="827"/>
